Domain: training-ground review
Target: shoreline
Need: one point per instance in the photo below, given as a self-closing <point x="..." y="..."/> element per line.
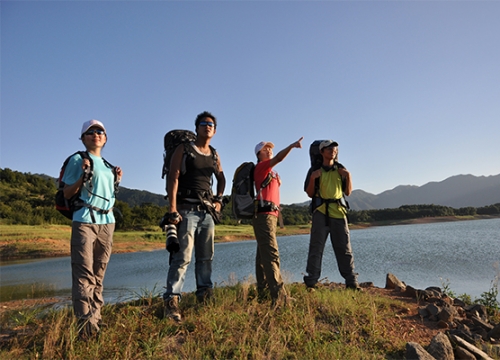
<point x="129" y="246"/>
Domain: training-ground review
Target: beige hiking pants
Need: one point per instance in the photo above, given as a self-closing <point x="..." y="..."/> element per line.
<point x="91" y="246"/>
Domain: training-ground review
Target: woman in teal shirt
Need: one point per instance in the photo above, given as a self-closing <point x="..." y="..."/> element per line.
<point x="93" y="225"/>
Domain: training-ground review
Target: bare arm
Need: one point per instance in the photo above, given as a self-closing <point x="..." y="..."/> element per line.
<point x="221" y="182"/>
<point x="347" y="176"/>
<point x="283" y="153"/>
<point x="310" y="186"/>
<point x="71" y="190"/>
<point x="173" y="177"/>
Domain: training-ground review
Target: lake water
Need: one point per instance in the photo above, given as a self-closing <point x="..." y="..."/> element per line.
<point x="463" y="255"/>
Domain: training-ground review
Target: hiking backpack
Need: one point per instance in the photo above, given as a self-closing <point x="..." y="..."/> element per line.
<point x="243" y="191"/>
<point x="315" y="154"/>
<point x="68" y="206"/>
<point x="171" y="141"/>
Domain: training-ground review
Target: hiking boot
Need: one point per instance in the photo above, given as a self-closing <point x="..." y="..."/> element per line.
<point x="263" y="295"/>
<point x="102" y="325"/>
<point x="87" y="331"/>
<point x="311" y="288"/>
<point x="172" y="308"/>
<point x="354" y="286"/>
<point x="206" y="298"/>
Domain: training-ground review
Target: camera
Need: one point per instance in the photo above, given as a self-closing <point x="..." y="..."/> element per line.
<point x="172" y="244"/>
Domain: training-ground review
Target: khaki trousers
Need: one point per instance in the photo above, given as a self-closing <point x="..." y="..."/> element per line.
<point x="267" y="260"/>
<point x="91" y="246"/>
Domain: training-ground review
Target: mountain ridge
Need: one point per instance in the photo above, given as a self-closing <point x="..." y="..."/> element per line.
<point x="456" y="191"/>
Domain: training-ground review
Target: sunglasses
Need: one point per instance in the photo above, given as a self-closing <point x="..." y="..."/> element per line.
<point x="205" y="123"/>
<point x="95" y="131"/>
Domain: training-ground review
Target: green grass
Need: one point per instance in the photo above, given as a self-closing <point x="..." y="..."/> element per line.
<point x="324" y="324"/>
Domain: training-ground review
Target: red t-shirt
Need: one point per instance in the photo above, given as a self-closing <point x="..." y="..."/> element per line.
<point x="272" y="191"/>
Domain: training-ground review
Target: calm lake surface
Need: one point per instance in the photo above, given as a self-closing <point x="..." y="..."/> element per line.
<point x="463" y="255"/>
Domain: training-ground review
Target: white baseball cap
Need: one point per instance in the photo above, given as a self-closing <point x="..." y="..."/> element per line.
<point x="88" y="124"/>
<point x="327" y="143"/>
<point x="260" y="145"/>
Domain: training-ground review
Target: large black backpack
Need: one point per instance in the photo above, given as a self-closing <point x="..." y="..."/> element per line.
<point x="171" y="141"/>
<point x="315" y="154"/>
<point x="243" y="195"/>
<point x="243" y="191"/>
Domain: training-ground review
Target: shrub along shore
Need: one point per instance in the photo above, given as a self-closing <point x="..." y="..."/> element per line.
<point x="19" y="242"/>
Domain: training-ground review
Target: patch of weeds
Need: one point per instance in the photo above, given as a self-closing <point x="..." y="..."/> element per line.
<point x="466" y="298"/>
<point x="25" y="317"/>
<point x="447" y="289"/>
<point x="489" y="299"/>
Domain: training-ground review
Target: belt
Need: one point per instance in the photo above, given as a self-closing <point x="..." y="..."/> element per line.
<point x="191" y="207"/>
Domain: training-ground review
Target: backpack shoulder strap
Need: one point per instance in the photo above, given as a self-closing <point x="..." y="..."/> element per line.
<point x="83" y="154"/>
<point x="263" y="185"/>
<point x="214" y="152"/>
<point x="215" y="158"/>
<point x="113" y="169"/>
<point x="108" y="164"/>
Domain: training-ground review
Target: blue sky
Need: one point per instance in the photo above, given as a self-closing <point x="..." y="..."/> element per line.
<point x="409" y="89"/>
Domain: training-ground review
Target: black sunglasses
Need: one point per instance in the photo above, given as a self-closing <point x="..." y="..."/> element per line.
<point x="206" y="123"/>
<point x="95" y="131"/>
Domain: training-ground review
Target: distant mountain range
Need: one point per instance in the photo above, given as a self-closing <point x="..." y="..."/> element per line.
<point x="456" y="191"/>
<point x="137" y="197"/>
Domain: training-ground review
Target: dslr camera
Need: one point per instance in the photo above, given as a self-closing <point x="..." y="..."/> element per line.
<point x="172" y="242"/>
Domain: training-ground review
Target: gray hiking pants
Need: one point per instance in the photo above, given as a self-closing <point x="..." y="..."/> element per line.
<point x="90" y="252"/>
<point x="340" y="238"/>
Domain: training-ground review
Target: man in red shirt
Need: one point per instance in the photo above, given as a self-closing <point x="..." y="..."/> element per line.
<point x="267" y="183"/>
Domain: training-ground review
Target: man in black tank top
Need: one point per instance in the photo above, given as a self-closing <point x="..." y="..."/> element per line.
<point x="189" y="189"/>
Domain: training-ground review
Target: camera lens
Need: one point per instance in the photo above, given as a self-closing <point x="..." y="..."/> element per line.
<point x="172" y="244"/>
<point x="171" y="230"/>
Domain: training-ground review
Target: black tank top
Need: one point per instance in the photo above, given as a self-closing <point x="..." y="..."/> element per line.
<point x="198" y="175"/>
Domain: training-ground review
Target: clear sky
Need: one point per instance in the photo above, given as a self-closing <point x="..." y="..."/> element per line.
<point x="409" y="89"/>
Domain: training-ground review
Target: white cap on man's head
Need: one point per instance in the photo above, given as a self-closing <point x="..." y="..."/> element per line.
<point x="261" y="145"/>
<point x="327" y="143"/>
<point x="88" y="124"/>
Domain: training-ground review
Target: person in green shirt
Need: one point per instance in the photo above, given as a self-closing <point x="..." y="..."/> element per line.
<point x="326" y="186"/>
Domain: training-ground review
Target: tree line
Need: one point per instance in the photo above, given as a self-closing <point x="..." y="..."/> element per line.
<point x="29" y="199"/>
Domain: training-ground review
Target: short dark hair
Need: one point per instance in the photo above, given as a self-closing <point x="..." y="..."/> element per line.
<point x="203" y="115"/>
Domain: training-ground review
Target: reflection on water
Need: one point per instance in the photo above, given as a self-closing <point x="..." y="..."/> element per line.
<point x="29" y="291"/>
<point x="460" y="254"/>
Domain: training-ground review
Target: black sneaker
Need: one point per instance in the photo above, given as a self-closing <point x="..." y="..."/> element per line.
<point x="171" y="307"/>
